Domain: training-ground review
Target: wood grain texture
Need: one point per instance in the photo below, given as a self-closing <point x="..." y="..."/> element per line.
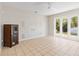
<point x="45" y="46"/>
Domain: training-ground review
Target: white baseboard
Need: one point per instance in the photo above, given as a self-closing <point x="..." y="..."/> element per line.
<point x="74" y="38"/>
<point x="32" y="37"/>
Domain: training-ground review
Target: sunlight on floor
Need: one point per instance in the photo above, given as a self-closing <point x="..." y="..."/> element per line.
<point x="45" y="46"/>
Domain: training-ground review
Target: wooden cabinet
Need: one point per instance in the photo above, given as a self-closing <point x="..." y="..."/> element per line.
<point x="10" y="36"/>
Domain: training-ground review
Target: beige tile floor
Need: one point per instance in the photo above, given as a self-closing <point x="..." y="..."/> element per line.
<point x="45" y="46"/>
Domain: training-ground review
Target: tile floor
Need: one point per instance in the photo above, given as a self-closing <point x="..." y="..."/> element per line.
<point x="45" y="46"/>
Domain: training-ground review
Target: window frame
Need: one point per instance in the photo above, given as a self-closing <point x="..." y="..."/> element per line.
<point x="68" y="26"/>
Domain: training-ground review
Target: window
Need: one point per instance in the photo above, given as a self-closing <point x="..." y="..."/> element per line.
<point x="64" y="25"/>
<point x="57" y="25"/>
<point x="74" y="25"/>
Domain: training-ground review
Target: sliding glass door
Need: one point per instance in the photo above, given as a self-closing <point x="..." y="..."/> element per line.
<point x="64" y="25"/>
<point x="74" y="25"/>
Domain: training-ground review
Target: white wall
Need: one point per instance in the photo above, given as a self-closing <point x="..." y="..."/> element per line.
<point x="12" y="16"/>
<point x="34" y="26"/>
<point x="30" y="25"/>
<point x="0" y="23"/>
<point x="50" y="25"/>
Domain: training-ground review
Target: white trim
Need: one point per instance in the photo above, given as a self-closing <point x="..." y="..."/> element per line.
<point x="61" y="19"/>
<point x="78" y="26"/>
<point x="69" y="21"/>
<point x="32" y="37"/>
<point x="69" y="36"/>
<point x="54" y="25"/>
<point x="0" y="50"/>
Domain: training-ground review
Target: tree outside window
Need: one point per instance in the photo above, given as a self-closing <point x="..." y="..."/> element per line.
<point x="74" y="25"/>
<point x="57" y="25"/>
<point x="64" y="25"/>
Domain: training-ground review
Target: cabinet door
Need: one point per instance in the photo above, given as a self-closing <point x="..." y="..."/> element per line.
<point x="15" y="34"/>
<point x="7" y="35"/>
<point x="16" y="29"/>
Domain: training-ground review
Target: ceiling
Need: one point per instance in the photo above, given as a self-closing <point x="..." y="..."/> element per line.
<point x="43" y="8"/>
